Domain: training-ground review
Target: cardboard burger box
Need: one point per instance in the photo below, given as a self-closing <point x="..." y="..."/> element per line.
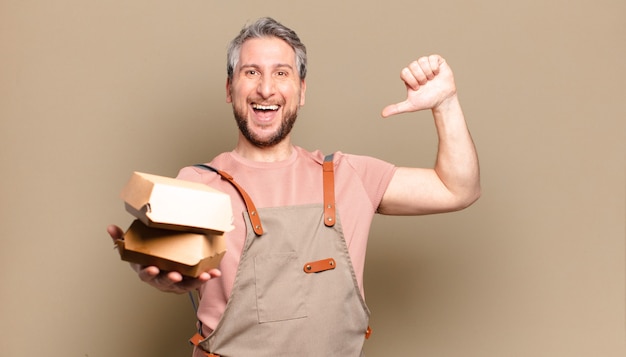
<point x="180" y="225"/>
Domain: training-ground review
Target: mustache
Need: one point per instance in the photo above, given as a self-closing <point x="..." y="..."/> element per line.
<point x="261" y="101"/>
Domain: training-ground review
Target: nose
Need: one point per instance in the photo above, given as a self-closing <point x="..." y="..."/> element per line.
<point x="266" y="86"/>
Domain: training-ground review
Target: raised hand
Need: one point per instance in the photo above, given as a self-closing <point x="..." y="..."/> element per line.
<point x="429" y="83"/>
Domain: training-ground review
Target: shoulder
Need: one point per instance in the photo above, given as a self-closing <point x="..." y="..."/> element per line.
<point x="372" y="173"/>
<point x="204" y="175"/>
<point x="361" y="163"/>
<point x="314" y="156"/>
<point x="362" y="175"/>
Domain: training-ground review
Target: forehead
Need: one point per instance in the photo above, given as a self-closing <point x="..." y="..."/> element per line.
<point x="267" y="51"/>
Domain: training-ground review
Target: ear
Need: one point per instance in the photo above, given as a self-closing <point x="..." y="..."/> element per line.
<point x="302" y="92"/>
<point x="229" y="98"/>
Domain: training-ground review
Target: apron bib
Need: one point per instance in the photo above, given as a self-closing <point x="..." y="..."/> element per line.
<point x="295" y="292"/>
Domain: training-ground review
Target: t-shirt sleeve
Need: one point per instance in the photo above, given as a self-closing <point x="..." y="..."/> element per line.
<point x="374" y="174"/>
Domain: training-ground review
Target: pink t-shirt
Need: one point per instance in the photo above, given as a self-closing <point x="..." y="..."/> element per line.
<point x="360" y="183"/>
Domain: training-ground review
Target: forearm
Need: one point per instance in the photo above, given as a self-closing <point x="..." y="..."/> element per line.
<point x="457" y="161"/>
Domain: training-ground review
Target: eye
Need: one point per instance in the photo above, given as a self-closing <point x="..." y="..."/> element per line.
<point x="282" y="72"/>
<point x="251" y="72"/>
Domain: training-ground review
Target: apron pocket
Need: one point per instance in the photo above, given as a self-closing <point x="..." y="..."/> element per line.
<point x="279" y="289"/>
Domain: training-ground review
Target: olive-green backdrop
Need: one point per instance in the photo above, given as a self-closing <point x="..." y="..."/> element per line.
<point x="93" y="90"/>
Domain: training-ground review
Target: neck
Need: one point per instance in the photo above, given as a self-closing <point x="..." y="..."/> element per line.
<point x="279" y="152"/>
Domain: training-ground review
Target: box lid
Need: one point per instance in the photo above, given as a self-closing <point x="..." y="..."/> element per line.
<point x="170" y="203"/>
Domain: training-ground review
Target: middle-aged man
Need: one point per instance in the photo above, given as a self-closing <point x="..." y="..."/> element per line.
<point x="291" y="282"/>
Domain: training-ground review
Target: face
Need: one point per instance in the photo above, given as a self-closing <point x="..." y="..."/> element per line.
<point x="266" y="91"/>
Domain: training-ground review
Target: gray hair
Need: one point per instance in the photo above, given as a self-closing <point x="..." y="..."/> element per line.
<point x="266" y="27"/>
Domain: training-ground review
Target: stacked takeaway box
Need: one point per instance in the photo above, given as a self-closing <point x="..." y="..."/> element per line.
<point x="180" y="225"/>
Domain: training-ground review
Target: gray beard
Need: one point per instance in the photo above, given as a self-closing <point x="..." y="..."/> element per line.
<point x="280" y="134"/>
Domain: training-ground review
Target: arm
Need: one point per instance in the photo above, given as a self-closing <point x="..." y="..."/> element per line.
<point x="454" y="182"/>
<point x="172" y="281"/>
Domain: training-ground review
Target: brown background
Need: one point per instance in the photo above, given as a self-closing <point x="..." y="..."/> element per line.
<point x="92" y="90"/>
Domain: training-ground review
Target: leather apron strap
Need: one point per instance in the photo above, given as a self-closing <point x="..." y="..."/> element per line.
<point x="257" y="227"/>
<point x="328" y="173"/>
<point x="195" y="340"/>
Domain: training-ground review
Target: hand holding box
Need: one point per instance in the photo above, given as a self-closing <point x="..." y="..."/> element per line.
<point x="180" y="225"/>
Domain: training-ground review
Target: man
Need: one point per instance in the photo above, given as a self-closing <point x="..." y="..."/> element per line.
<point x="290" y="283"/>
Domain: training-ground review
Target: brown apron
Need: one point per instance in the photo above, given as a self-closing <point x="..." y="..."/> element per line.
<point x="295" y="292"/>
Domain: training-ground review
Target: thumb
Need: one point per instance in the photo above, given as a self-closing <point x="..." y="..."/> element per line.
<point x="115" y="232"/>
<point x="394" y="109"/>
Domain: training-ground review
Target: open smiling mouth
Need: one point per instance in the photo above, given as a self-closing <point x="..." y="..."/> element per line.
<point x="265" y="108"/>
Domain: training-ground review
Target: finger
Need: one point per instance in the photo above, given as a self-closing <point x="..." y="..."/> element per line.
<point x="146" y="274"/>
<point x="418" y="73"/>
<point x="389" y="111"/>
<point x="394" y="109"/>
<point x="204" y="277"/>
<point x="427" y="69"/>
<point x="174" y="277"/>
<point x="164" y="281"/>
<point x="115" y="232"/>
<point x="188" y="283"/>
<point x="409" y="79"/>
<point x="214" y="273"/>
<point x="193" y="283"/>
<point x="435" y="63"/>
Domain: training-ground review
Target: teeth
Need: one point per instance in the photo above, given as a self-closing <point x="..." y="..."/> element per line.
<point x="265" y="107"/>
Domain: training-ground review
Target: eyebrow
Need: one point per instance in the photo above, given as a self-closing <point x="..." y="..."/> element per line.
<point x="279" y="65"/>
